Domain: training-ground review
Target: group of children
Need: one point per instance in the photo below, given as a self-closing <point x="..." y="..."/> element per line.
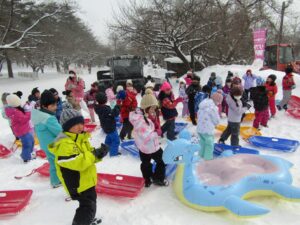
<point x="59" y="125"/>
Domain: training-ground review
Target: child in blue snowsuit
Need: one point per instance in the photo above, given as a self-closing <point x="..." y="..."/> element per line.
<point x="108" y="123"/>
<point x="47" y="129"/>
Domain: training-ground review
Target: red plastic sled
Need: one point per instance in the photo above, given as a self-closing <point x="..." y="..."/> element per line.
<point x="44" y="170"/>
<point x="89" y="127"/>
<point x="12" y="202"/>
<point x="295" y="112"/>
<point x="41" y="154"/>
<point x="87" y="120"/>
<point x="119" y="185"/>
<point x="4" y="152"/>
<point x="294" y="102"/>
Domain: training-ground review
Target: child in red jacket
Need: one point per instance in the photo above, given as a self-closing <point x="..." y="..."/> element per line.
<point x="129" y="104"/>
<point x="272" y="90"/>
<point x="288" y="84"/>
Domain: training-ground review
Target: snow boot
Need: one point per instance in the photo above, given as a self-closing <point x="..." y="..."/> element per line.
<point x="162" y="183"/>
<point x="96" y="221"/>
<point x="148" y="183"/>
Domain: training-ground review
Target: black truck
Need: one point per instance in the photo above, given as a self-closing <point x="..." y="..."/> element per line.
<point x="120" y="69"/>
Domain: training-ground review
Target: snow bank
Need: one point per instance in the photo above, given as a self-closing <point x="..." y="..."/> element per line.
<point x="155" y="206"/>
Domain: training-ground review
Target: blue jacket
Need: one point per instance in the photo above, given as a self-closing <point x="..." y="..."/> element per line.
<point x="46" y="127"/>
<point x="199" y="97"/>
<point x="59" y="109"/>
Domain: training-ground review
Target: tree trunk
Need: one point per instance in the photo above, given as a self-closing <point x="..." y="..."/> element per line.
<point x="58" y="69"/>
<point x="9" y="65"/>
<point x="192" y="60"/>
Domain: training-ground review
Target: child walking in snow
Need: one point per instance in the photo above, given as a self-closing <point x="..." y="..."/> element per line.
<point x="147" y="129"/>
<point x="75" y="161"/>
<point x="129" y="104"/>
<point x="226" y="91"/>
<point x="108" y="123"/>
<point x="168" y="109"/>
<point x="20" y="125"/>
<point x="249" y="79"/>
<point x="235" y="112"/>
<point x="259" y="96"/>
<point x="47" y="128"/>
<point x="90" y="100"/>
<point x="208" y="118"/>
<point x="272" y="91"/>
<point x="191" y="92"/>
<point x="288" y="84"/>
<point x="185" y="99"/>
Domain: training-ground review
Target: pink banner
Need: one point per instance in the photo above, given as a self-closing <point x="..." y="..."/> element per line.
<point x="260" y="39"/>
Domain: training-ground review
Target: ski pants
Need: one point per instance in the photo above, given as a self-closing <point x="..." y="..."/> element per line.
<point x="126" y="129"/>
<point x="206" y="142"/>
<point x="191" y="106"/>
<point x="286" y="97"/>
<point x="272" y="105"/>
<point x="146" y="165"/>
<point x="27" y="146"/>
<point x="261" y="117"/>
<point x="86" y="211"/>
<point x="53" y="176"/>
<point x="113" y="141"/>
<point x="169" y="127"/>
<point x="233" y="130"/>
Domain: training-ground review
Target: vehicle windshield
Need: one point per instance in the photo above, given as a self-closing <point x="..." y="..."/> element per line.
<point x="125" y="67"/>
<point x="286" y="55"/>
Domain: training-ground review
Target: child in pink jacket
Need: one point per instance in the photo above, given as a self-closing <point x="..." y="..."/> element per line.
<point x="20" y="125"/>
<point x="76" y="85"/>
<point x="146" y="139"/>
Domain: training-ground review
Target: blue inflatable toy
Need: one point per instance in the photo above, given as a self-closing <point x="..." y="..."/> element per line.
<point x="224" y="183"/>
<point x="279" y="144"/>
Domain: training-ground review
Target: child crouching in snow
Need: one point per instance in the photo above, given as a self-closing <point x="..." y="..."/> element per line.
<point x="259" y="96"/>
<point x="75" y="161"/>
<point x="20" y="123"/>
<point x="208" y="118"/>
<point x="147" y="129"/>
<point x="108" y="123"/>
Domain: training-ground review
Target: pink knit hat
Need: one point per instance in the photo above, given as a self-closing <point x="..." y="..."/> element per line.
<point x="165" y="86"/>
<point x="217" y="98"/>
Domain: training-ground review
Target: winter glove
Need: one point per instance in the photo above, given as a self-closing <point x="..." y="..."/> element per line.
<point x="179" y="99"/>
<point x="101" y="152"/>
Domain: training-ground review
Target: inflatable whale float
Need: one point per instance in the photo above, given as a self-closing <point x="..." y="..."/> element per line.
<point x="224" y="183"/>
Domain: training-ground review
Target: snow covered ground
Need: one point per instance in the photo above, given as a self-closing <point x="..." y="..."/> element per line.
<point x="155" y="206"/>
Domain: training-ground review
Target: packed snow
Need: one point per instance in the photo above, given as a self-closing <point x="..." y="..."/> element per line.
<point x="155" y="205"/>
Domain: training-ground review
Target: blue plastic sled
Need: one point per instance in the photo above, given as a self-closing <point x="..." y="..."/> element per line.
<point x="220" y="148"/>
<point x="130" y="147"/>
<point x="278" y="144"/>
<point x="180" y="126"/>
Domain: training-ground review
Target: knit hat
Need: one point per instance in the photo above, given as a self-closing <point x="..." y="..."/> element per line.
<point x="148" y="100"/>
<point x="149" y="84"/>
<point x="70" y="118"/>
<point x="165" y="86"/>
<point x="34" y="91"/>
<point x="119" y="88"/>
<point x="54" y="91"/>
<point x="272" y="77"/>
<point x="3" y="97"/>
<point x="213" y="74"/>
<point x="217" y="98"/>
<point x="47" y="98"/>
<point x="101" y="98"/>
<point x="236" y="91"/>
<point x="13" y="100"/>
<point x="129" y="82"/>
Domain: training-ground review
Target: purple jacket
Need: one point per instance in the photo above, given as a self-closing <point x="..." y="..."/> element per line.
<point x="20" y="122"/>
<point x="249" y="81"/>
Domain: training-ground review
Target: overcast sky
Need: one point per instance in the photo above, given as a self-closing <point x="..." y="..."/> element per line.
<point x="96" y="13"/>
